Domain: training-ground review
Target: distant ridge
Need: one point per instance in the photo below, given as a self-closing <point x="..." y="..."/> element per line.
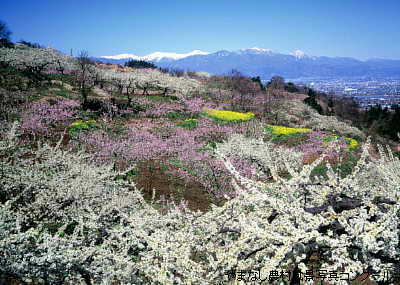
<point x="267" y="63"/>
<point x="155" y="56"/>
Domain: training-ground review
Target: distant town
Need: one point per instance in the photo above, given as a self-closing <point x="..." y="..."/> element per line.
<point x="366" y="92"/>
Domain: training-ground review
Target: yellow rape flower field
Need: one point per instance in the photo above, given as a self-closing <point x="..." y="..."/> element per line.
<point x="280" y="130"/>
<point x="228" y="115"/>
<point x="80" y="123"/>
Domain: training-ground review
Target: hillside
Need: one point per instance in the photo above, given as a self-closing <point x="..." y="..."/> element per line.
<point x="135" y="176"/>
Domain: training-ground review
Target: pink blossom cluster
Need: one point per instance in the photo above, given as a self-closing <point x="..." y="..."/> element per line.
<point x="146" y="69"/>
<point x="199" y="165"/>
<point x="208" y="130"/>
<point x="316" y="146"/>
<point x="155" y="139"/>
<point x="40" y="117"/>
<point x="195" y="105"/>
<point x="142" y="100"/>
<point x="137" y="145"/>
<point x="54" y="71"/>
<point x="162" y="109"/>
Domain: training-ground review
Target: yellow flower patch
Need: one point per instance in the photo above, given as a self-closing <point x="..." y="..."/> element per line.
<point x="77" y="123"/>
<point x="352" y="143"/>
<point x="77" y="126"/>
<point x="280" y="130"/>
<point x="82" y="123"/>
<point x="229" y="115"/>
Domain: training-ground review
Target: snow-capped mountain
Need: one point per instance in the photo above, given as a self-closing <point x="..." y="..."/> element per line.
<point x="122" y="56"/>
<point x="267" y="63"/>
<point x="255" y="50"/>
<point x="298" y="54"/>
<point x="155" y="56"/>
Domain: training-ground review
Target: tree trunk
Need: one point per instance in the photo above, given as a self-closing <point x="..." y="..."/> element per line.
<point x="145" y="91"/>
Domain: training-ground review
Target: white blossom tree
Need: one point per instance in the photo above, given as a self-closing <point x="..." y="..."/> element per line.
<point x="35" y="62"/>
<point x="64" y="220"/>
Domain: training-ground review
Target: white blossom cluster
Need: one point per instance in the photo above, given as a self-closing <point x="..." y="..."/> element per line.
<point x="270" y="158"/>
<point x="107" y="232"/>
<point x="48" y="59"/>
<point x="153" y="79"/>
<point x="372" y="226"/>
<point x="27" y="57"/>
<point x="331" y="123"/>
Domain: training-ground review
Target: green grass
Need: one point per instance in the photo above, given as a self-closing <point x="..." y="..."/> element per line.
<point x="164" y="167"/>
<point x="179" y="165"/>
<point x="178" y="115"/>
<point x="34" y="97"/>
<point x="116" y="130"/>
<point x="80" y="126"/>
<point x="129" y="175"/>
<point x="189" y="124"/>
<point x="56" y="90"/>
<point x="62" y="92"/>
<point x="175" y="162"/>
<point x="344" y="168"/>
<point x="161" y="98"/>
<point x="293" y="139"/>
<point x="65" y="78"/>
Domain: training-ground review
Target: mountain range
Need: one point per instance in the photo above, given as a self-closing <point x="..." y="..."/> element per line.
<point x="267" y="63"/>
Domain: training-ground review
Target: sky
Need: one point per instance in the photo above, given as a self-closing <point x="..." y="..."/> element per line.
<point x="348" y="28"/>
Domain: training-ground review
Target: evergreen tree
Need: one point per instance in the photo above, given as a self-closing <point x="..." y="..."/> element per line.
<point x="139" y="64"/>
<point x="393" y="125"/>
<point x="290" y="87"/>
<point x="5" y="35"/>
<point x="258" y="80"/>
<point x="311" y="100"/>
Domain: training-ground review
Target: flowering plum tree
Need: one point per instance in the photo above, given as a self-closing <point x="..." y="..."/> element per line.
<point x="64" y="220"/>
<point x="152" y="79"/>
<point x="36" y="61"/>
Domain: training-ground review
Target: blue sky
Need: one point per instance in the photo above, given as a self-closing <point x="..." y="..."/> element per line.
<point x="352" y="28"/>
